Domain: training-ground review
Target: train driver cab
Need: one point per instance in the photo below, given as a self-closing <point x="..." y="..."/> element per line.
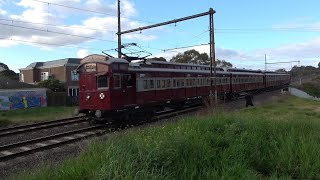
<point x="97" y="81"/>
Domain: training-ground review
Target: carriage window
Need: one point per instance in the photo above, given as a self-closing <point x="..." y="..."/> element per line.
<point x="163" y="83"/>
<point x="174" y="83"/>
<point x="116" y="81"/>
<point x="158" y="84"/>
<point x="182" y="82"/>
<point x="102" y="81"/>
<point x="178" y="83"/>
<point x="168" y="83"/>
<point x="151" y="84"/>
<point x="145" y="84"/>
<point x="129" y="80"/>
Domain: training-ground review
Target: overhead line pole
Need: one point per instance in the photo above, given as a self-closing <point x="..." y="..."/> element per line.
<point x="167" y="22"/>
<point x="119" y="31"/>
<point x="212" y="43"/>
<point x="212" y="60"/>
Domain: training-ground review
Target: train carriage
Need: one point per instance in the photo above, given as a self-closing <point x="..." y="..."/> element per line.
<point x="113" y="87"/>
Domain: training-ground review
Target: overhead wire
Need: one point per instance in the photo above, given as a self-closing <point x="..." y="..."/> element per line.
<point x="54" y="32"/>
<point x="88" y="10"/>
<point x="51" y="44"/>
<point x="55" y="25"/>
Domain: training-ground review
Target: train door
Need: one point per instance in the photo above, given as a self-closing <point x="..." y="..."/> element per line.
<point x="123" y="93"/>
<point x="128" y="87"/>
<point x="88" y="93"/>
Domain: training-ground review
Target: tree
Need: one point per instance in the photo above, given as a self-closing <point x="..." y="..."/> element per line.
<point x="5" y="72"/>
<point x="157" y="59"/>
<point x="223" y="63"/>
<point x="319" y="65"/>
<point x="3" y="67"/>
<point x="280" y="70"/>
<point x="52" y="84"/>
<point x="194" y="57"/>
<point x="191" y="57"/>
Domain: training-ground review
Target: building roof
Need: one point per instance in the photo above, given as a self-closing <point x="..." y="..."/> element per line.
<point x="54" y="63"/>
<point x="11" y="84"/>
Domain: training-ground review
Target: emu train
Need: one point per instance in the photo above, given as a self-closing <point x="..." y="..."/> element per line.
<point x="113" y="88"/>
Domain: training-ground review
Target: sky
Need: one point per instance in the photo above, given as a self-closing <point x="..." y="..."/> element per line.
<point x="44" y="30"/>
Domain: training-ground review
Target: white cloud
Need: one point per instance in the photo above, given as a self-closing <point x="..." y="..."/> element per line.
<point x="89" y="25"/>
<point x="3" y="12"/>
<point x="82" y="53"/>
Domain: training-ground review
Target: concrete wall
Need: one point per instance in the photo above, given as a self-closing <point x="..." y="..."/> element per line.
<point x="301" y="94"/>
<point x="22" y="98"/>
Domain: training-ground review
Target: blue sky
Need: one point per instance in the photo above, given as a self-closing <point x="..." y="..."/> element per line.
<point x="286" y="30"/>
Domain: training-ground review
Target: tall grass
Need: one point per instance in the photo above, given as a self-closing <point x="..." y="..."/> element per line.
<point x="21" y="116"/>
<point x="276" y="141"/>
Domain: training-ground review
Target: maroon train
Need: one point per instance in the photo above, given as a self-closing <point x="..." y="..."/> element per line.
<point x="114" y="88"/>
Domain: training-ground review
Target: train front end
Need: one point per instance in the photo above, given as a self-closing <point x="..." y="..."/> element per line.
<point x="94" y="82"/>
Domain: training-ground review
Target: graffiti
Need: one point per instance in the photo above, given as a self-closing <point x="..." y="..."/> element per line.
<point x="4" y="103"/>
<point x="16" y="102"/>
<point x="22" y="99"/>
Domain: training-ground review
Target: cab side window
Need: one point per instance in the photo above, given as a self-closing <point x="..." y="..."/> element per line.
<point x="116" y="81"/>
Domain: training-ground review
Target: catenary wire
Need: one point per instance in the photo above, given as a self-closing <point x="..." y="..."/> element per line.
<point x="54" y="32"/>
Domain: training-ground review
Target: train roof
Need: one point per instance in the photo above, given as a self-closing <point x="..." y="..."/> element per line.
<point x="102" y="59"/>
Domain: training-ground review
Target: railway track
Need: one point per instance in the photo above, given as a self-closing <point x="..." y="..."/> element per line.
<point x="23" y="148"/>
<point x="39" y="126"/>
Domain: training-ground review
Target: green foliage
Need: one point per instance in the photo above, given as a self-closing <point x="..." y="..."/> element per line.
<point x="281" y="70"/>
<point x="194" y="57"/>
<point x="311" y="88"/>
<point x="304" y="71"/>
<point x="3" y="67"/>
<point x="157" y="59"/>
<point x="9" y="74"/>
<point x="256" y="143"/>
<point x="52" y="84"/>
<point x="6" y="73"/>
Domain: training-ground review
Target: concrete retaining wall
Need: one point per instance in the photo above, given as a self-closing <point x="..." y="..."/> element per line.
<point x="302" y="94"/>
<point x="22" y="98"/>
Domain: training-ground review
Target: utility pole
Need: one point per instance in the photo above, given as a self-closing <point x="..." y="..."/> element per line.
<point x="212" y="60"/>
<point x="265" y="62"/>
<point x="119" y="31"/>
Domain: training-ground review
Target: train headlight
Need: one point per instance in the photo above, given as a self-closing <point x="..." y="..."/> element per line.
<point x="88" y="97"/>
<point x="102" y="96"/>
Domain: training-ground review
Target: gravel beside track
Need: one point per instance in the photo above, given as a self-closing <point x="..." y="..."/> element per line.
<point x="58" y="155"/>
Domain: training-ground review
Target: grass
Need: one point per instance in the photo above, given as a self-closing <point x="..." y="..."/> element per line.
<point x="280" y="140"/>
<point x="312" y="88"/>
<point x="22" y="116"/>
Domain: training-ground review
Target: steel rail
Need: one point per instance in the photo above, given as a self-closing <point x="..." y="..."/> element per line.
<point x="50" y="146"/>
<point x="37" y="126"/>
<point x="45" y="138"/>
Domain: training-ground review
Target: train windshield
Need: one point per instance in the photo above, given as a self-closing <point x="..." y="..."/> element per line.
<point x="102" y="81"/>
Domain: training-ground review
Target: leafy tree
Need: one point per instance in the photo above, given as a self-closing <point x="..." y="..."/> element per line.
<point x="157" y="59"/>
<point x="319" y="65"/>
<point x="280" y="70"/>
<point x="5" y="72"/>
<point x="194" y="57"/>
<point x="191" y="57"/>
<point x="3" y="67"/>
<point x="52" y="84"/>
<point x="223" y="63"/>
